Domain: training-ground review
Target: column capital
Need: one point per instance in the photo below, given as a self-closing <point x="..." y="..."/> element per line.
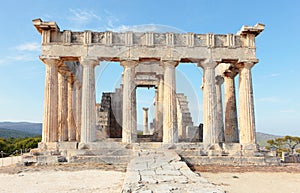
<point x="51" y="60"/>
<point x="246" y="64"/>
<point x="219" y="80"/>
<point x="84" y="61"/>
<point x="169" y="63"/>
<point x="145" y="109"/>
<point x="208" y="64"/>
<point x="129" y="63"/>
<point x="230" y="73"/>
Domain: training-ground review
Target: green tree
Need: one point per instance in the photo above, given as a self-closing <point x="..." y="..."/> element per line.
<point x="284" y="144"/>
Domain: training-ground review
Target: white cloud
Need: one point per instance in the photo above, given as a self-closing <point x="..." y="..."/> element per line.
<point x="269" y="100"/>
<point x="275" y="74"/>
<point x="82" y="17"/>
<point x="29" y="47"/>
<point x="288" y="111"/>
<point x="146" y="27"/>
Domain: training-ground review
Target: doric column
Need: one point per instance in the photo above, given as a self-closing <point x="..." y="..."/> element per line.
<point x="145" y="131"/>
<point x="129" y="132"/>
<point x="78" y="109"/>
<point x="246" y="105"/>
<point x="231" y="123"/>
<point x="50" y="118"/>
<point x="210" y="111"/>
<point x="71" y="110"/>
<point x="220" y="127"/>
<point x="159" y="106"/>
<point x="170" y="130"/>
<point x="88" y="110"/>
<point x="62" y="106"/>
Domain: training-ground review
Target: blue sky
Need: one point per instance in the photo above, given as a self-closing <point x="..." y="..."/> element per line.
<point x="275" y="77"/>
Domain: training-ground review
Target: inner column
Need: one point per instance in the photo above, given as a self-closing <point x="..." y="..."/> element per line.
<point x="231" y="122"/>
<point x="170" y="130"/>
<point x="129" y="130"/>
<point x="145" y="131"/>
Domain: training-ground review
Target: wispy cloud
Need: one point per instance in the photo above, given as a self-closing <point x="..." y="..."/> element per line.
<point x="288" y="111"/>
<point x="269" y="99"/>
<point x="146" y="28"/>
<point x="29" y="47"/>
<point x="81" y="19"/>
<point x="83" y="16"/>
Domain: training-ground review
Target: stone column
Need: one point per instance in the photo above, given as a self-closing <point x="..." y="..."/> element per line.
<point x="50" y="118"/>
<point x="129" y="132"/>
<point x="88" y="110"/>
<point x="170" y="130"/>
<point x="78" y="109"/>
<point x="63" y="107"/>
<point x="145" y="131"/>
<point x="159" y="106"/>
<point x="246" y="105"/>
<point x="210" y="111"/>
<point x="71" y="110"/>
<point x="231" y="123"/>
<point x="220" y="127"/>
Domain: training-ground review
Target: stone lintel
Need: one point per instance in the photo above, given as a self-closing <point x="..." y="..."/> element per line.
<point x="41" y="25"/>
<point x="256" y="30"/>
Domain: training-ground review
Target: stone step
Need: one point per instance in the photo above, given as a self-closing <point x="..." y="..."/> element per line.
<point x="119" y="160"/>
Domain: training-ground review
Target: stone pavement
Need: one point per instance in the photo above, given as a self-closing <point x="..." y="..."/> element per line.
<point x="161" y="171"/>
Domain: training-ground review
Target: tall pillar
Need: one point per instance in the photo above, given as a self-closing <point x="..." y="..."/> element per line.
<point x="78" y="109"/>
<point x="146" y="130"/>
<point x="159" y="106"/>
<point x="88" y="110"/>
<point x="231" y="123"/>
<point x="210" y="112"/>
<point x="220" y="127"/>
<point x="170" y="130"/>
<point x="246" y="105"/>
<point x="50" y="117"/>
<point x="129" y="132"/>
<point x="71" y="110"/>
<point x="62" y="107"/>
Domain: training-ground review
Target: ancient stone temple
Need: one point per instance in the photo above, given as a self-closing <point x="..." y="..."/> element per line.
<point x="71" y="115"/>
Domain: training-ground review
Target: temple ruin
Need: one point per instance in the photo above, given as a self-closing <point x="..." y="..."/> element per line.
<point x="73" y="121"/>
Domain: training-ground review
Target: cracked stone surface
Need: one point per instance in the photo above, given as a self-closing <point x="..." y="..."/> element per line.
<point x="161" y="171"/>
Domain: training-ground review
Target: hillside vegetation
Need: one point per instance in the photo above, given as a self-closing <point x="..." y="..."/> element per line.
<point x="14" y="146"/>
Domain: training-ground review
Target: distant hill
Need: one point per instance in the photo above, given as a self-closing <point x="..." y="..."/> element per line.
<point x="20" y="128"/>
<point x="262" y="138"/>
<point x="10" y="133"/>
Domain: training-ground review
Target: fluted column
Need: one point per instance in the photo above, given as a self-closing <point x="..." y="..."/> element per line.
<point x="71" y="110"/>
<point x="50" y="117"/>
<point x="129" y="130"/>
<point x="220" y="127"/>
<point x="231" y="123"/>
<point x="210" y="112"/>
<point x="170" y="130"/>
<point x="88" y="111"/>
<point x="78" y="109"/>
<point x="62" y="107"/>
<point x="246" y="105"/>
<point x="146" y="130"/>
<point x="159" y="106"/>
